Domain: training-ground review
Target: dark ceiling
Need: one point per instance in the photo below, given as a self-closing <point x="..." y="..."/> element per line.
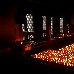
<point x="45" y="7"/>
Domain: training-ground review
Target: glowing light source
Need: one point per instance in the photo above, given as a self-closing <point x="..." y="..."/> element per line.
<point x="30" y="26"/>
<point x="44" y="25"/>
<point x="44" y="22"/>
<point x="21" y="43"/>
<point x="51" y="25"/>
<point x="63" y="56"/>
<point x="61" y="25"/>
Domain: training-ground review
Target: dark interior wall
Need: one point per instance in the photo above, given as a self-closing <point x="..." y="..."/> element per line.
<point x="9" y="31"/>
<point x="72" y="23"/>
<point x="7" y="28"/>
<point x="72" y="19"/>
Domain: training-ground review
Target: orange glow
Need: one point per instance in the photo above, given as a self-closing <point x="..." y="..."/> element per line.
<point x="69" y="35"/>
<point x="21" y="43"/>
<point x="63" y="56"/>
<point x="27" y="47"/>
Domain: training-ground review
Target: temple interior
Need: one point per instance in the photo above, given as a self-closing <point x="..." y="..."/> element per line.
<point x="37" y="36"/>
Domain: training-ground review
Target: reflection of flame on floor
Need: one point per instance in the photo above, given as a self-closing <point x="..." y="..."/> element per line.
<point x="27" y="47"/>
<point x="63" y="56"/>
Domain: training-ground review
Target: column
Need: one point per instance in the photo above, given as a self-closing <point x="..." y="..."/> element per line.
<point x="56" y="26"/>
<point x="38" y="27"/>
<point x="48" y="31"/>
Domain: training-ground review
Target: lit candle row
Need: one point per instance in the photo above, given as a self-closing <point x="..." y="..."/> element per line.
<point x="63" y="56"/>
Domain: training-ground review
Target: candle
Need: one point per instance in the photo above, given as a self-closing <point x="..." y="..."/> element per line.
<point x="63" y="56"/>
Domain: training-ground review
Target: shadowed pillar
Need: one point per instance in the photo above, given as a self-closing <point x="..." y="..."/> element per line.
<point x="38" y="27"/>
<point x="48" y="22"/>
<point x="65" y="27"/>
<point x="56" y="26"/>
